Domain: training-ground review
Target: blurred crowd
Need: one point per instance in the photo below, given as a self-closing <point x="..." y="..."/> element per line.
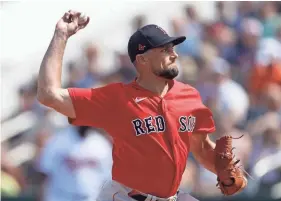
<point x="234" y="62"/>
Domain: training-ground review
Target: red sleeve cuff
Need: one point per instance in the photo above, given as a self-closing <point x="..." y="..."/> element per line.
<point x="206" y="130"/>
<point x="72" y="96"/>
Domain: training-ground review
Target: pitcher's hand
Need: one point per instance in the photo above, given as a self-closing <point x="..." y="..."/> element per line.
<point x="70" y="23"/>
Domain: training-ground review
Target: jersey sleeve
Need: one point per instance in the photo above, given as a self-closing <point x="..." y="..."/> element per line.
<point x="204" y="118"/>
<point x="93" y="107"/>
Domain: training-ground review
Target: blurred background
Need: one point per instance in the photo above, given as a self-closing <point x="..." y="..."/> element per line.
<point x="232" y="55"/>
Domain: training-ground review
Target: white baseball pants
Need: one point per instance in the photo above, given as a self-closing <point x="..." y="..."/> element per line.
<point x="114" y="191"/>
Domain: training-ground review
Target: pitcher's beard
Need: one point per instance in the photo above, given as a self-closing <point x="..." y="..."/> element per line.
<point x="168" y="73"/>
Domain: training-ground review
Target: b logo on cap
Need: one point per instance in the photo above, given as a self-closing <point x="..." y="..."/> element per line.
<point x="141" y="47"/>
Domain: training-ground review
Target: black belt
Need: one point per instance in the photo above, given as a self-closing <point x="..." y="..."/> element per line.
<point x="140" y="197"/>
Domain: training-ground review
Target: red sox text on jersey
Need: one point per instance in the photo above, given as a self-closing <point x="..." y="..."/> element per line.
<point x="157" y="124"/>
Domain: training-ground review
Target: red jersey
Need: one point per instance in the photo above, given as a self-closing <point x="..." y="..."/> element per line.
<point x="150" y="133"/>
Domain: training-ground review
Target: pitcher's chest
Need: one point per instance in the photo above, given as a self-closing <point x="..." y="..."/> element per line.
<point x="147" y="115"/>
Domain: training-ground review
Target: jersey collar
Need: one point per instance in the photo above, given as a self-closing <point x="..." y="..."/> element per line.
<point x="170" y="93"/>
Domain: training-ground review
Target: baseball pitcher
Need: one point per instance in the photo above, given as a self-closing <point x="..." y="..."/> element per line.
<point x="155" y="121"/>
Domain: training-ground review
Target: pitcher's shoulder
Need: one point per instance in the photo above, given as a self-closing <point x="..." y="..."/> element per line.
<point x="187" y="88"/>
<point x="115" y="87"/>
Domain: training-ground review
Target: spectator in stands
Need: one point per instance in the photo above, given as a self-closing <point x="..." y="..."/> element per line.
<point x="74" y="164"/>
<point x="125" y="68"/>
<point x="192" y="29"/>
<point x="278" y="34"/>
<point x="270" y="18"/>
<point x="189" y="71"/>
<point x="228" y="96"/>
<point x="225" y="39"/>
<point x="246" y="9"/>
<point x="266" y="144"/>
<point x="271" y="97"/>
<point x="265" y="130"/>
<point x="28" y="101"/>
<point x="246" y="48"/>
<point x="138" y="21"/>
<point x="12" y="178"/>
<point x="220" y="12"/>
<point x="74" y="75"/>
<point x="267" y="69"/>
<point x="92" y="74"/>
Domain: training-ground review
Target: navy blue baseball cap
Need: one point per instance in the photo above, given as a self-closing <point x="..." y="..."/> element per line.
<point x="149" y="37"/>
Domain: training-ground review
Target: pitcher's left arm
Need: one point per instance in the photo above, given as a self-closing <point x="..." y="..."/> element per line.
<point x="219" y="159"/>
<point x="203" y="149"/>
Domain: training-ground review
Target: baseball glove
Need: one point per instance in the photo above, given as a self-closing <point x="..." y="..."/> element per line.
<point x="227" y="169"/>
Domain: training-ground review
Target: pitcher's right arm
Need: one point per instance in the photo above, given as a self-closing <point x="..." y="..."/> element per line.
<point x="50" y="92"/>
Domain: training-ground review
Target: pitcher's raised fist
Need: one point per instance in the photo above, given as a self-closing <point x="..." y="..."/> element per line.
<point x="71" y="22"/>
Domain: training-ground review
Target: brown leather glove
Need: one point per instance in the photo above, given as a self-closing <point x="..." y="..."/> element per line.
<point x="227" y="169"/>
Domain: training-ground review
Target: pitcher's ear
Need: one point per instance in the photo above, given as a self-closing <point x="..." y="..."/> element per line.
<point x="141" y="59"/>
